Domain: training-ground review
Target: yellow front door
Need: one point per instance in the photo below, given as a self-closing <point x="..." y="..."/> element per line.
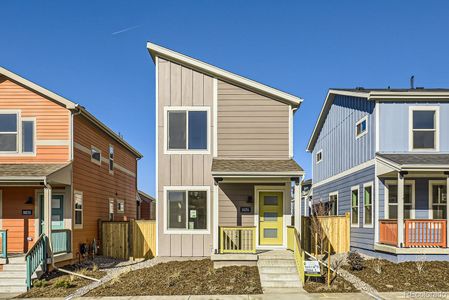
<point x="270" y="218"/>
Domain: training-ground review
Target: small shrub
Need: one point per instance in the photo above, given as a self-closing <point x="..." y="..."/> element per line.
<point x="377" y="266"/>
<point x="40" y="283"/>
<point x="95" y="268"/>
<point x="356" y="261"/>
<point x="420" y="262"/>
<point x="63" y="283"/>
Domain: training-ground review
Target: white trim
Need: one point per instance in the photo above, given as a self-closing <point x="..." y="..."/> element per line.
<point x="52" y="142"/>
<point x="78" y="226"/>
<point x="187" y="109"/>
<point x="156" y="50"/>
<point x="187" y="189"/>
<point x="435" y="109"/>
<point x="355" y="169"/>
<point x="118" y="202"/>
<point x="290" y="131"/>
<point x="32" y="119"/>
<point x="285" y="207"/>
<point x="215" y="235"/>
<point x="363" y="119"/>
<point x="430" y="203"/>
<point x="329" y="200"/>
<point x="387" y="193"/>
<point x="370" y="185"/>
<point x="316" y="156"/>
<point x="18" y="131"/>
<point x="356" y="188"/>
<point x="215" y="118"/>
<point x="98" y="162"/>
<point x="376" y="211"/>
<point x="111" y="171"/>
<point x="1" y="209"/>
<point x="156" y="88"/>
<point x="377" y="124"/>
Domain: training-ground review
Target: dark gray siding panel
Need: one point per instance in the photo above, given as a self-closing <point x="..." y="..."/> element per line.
<point x="360" y="237"/>
<point x="337" y="139"/>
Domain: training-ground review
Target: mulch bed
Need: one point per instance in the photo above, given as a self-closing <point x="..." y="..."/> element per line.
<point x="338" y="285"/>
<point x="386" y="276"/>
<point x="59" y="284"/>
<point x="183" y="278"/>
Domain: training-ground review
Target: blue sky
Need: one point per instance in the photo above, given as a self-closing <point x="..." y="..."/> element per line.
<point x="81" y="50"/>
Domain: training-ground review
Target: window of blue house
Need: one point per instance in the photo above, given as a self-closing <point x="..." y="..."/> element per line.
<point x="361" y="127"/>
<point x="424" y="130"/>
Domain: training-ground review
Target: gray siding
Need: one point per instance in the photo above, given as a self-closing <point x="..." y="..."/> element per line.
<point x="233" y="196"/>
<point x="251" y="125"/>
<point x="180" y="86"/>
<point x="394" y="115"/>
<point x="337" y="138"/>
<point x="360" y="237"/>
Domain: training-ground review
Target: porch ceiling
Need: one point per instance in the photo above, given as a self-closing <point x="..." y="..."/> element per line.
<point x="255" y="167"/>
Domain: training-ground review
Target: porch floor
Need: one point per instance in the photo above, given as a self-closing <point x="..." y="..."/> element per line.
<point x="414" y="250"/>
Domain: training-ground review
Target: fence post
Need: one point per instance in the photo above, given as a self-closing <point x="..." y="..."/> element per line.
<point x="348" y="231"/>
<point x="100" y="236"/>
<point x="131" y="239"/>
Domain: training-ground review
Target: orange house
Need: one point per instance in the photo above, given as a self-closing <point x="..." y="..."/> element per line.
<point x="61" y="170"/>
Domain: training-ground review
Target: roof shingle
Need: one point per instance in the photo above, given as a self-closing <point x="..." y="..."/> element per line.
<point x="416" y="159"/>
<point x="251" y="166"/>
<point x="29" y="170"/>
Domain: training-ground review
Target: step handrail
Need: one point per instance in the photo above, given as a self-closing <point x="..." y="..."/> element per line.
<point x="35" y="257"/>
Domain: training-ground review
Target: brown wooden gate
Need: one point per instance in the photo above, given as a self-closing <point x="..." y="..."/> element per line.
<point x="115" y="239"/>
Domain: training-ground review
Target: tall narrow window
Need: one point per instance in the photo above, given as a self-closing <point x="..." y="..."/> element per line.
<point x="27" y="136"/>
<point x="368" y="205"/>
<point x="319" y="156"/>
<point x="333" y="204"/>
<point x="78" y="209"/>
<point x="439" y="200"/>
<point x="355" y="206"/>
<point x="187" y="129"/>
<point x="8" y="132"/>
<point x="424" y="129"/>
<point x="111" y="209"/>
<point x="187" y="210"/>
<point x="111" y="158"/>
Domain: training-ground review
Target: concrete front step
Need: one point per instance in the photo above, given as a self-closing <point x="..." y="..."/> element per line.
<point x="276" y="270"/>
<point x="12" y="274"/>
<point x="281" y="284"/>
<point x="14" y="267"/>
<point x="13" y="289"/>
<point x="279" y="277"/>
<point x="276" y="263"/>
<point x="12" y="281"/>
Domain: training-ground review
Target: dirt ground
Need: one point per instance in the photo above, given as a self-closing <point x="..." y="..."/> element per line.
<point x="319" y="285"/>
<point x="59" y="284"/>
<point x="184" y="278"/>
<point x="386" y="276"/>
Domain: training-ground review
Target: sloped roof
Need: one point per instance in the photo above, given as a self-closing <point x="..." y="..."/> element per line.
<point x="29" y="170"/>
<point x="145" y="197"/>
<point x="416" y="159"/>
<point x="287" y="167"/>
<point x="156" y="50"/>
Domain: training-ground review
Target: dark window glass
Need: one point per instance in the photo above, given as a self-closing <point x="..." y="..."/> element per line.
<point x="78" y="217"/>
<point x="176" y="210"/>
<point x="423" y="119"/>
<point x="355" y="207"/>
<point x="27" y="136"/>
<point x="176" y="130"/>
<point x="95" y="154"/>
<point x="8" y="123"/>
<point x="8" y="142"/>
<point x="197" y="212"/>
<point x="197" y="130"/>
<point x="423" y="139"/>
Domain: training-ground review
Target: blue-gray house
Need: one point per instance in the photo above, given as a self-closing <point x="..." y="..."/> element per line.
<point x="383" y="156"/>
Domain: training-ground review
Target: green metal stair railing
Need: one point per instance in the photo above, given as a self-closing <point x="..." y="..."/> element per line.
<point x="35" y="257"/>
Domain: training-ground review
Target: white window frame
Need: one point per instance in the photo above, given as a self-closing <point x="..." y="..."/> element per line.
<point x="435" y="109"/>
<point x="18" y="132"/>
<point x="329" y="200"/>
<point x="78" y="226"/>
<point x="111" y="204"/>
<point x="28" y="119"/>
<point x="371" y="185"/>
<point x="316" y="156"/>
<point x="364" y="119"/>
<point x="356" y="188"/>
<point x="187" y="109"/>
<point x="111" y="171"/>
<point x="98" y="162"/>
<point x="186" y="189"/>
<point x="120" y="206"/>
<point x="430" y="205"/>
<point x="387" y="198"/>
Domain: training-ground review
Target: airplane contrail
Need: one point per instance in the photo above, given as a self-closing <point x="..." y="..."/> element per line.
<point x="126" y="29"/>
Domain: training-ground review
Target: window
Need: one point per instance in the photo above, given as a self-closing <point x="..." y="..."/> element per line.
<point x="187" y="129"/>
<point x="355" y="206"/>
<point x="120" y="206"/>
<point x="9" y="132"/>
<point x="111" y="159"/>
<point x="95" y="155"/>
<point x="368" y="204"/>
<point x="187" y="209"/>
<point x="361" y="127"/>
<point x="392" y="208"/>
<point x="424" y="128"/>
<point x="111" y="209"/>
<point x="28" y="127"/>
<point x="78" y="209"/>
<point x="332" y="209"/>
<point x="439" y="200"/>
<point x="319" y="156"/>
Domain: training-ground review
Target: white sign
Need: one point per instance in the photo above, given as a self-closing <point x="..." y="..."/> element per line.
<point x="312" y="268"/>
<point x="193" y="214"/>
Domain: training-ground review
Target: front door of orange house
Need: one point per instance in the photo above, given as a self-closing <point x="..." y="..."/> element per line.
<point x="270" y="218"/>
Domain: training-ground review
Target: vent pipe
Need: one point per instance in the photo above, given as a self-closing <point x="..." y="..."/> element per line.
<point x="412" y="82"/>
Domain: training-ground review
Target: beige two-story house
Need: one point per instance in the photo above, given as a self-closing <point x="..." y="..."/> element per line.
<point x="225" y="168"/>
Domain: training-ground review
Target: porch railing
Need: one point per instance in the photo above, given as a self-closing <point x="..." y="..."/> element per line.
<point x="238" y="239"/>
<point x="294" y="244"/>
<point x="4" y="244"/>
<point x="417" y="233"/>
<point x="35" y="257"/>
<point x="61" y="241"/>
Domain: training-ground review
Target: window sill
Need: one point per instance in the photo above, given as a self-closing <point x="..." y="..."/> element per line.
<point x="186" y="152"/>
<point x="187" y="231"/>
<point x="361" y="135"/>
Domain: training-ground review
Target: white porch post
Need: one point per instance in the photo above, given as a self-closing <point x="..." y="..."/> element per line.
<point x="297" y="199"/>
<point x="400" y="209"/>
<point x="447" y="208"/>
<point x="216" y="233"/>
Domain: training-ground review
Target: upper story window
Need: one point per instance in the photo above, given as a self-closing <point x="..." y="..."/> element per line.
<point x="187" y="129"/>
<point x="319" y="156"/>
<point x="361" y="127"/>
<point x="15" y="138"/>
<point x="95" y="155"/>
<point x="424" y="128"/>
<point x="111" y="158"/>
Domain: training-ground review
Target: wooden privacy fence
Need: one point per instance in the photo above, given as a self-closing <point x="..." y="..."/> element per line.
<point x="128" y="239"/>
<point x="318" y="230"/>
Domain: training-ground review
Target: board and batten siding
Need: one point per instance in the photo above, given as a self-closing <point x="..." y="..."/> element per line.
<point x="394" y="125"/>
<point x="360" y="237"/>
<point x="337" y="138"/>
<point x="251" y="125"/>
<point x="52" y="123"/>
<point x="181" y="86"/>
